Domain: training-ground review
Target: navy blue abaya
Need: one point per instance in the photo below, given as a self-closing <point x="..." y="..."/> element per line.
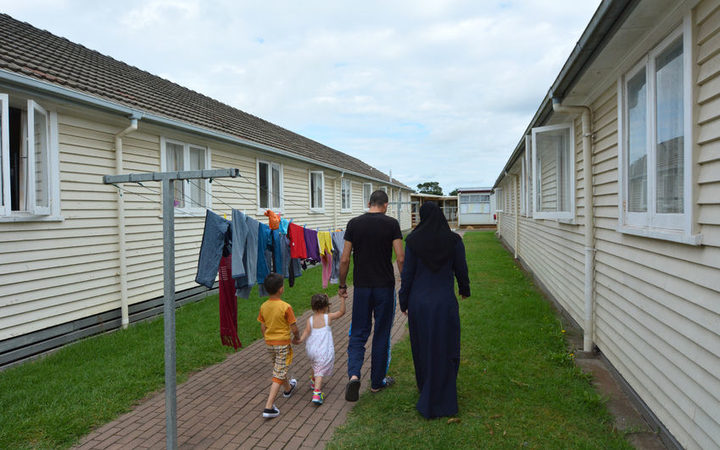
<point x="434" y="321"/>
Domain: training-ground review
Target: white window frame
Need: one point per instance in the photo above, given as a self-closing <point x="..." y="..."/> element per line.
<point x="674" y="227"/>
<point x="499" y="200"/>
<point x="366" y="200"/>
<point x="345" y="195"/>
<point x="384" y="189"/>
<point x="50" y="212"/>
<point x="321" y="207"/>
<point x="271" y="205"/>
<point x="556" y="215"/>
<point x="206" y="186"/>
<point x="527" y="177"/>
<point x="522" y="192"/>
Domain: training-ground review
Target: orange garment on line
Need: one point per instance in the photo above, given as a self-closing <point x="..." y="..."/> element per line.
<point x="274" y="219"/>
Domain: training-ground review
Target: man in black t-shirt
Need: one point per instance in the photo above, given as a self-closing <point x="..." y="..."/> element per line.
<point x="371" y="238"/>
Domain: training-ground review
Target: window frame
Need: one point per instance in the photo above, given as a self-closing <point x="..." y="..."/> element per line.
<point x="366" y="201"/>
<point x="271" y="205"/>
<point x="555" y="215"/>
<point x="668" y="226"/>
<point x="527" y="177"/>
<point x="499" y="200"/>
<point x="345" y="195"/>
<point x="321" y="208"/>
<point x="188" y="211"/>
<point x="50" y="212"/>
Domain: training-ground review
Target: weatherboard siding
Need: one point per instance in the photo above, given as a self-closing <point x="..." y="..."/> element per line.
<point x="56" y="272"/>
<point x="657" y="302"/>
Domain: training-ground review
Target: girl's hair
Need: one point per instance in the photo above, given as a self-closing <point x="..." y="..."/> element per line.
<point x="318" y="302"/>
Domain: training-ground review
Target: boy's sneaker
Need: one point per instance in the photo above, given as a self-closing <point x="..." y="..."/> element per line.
<point x="318" y="397"/>
<point x="293" y="383"/>
<point x="271" y="413"/>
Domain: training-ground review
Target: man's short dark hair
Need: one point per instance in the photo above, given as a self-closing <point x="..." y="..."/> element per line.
<point x="378" y="198"/>
<point x="273" y="283"/>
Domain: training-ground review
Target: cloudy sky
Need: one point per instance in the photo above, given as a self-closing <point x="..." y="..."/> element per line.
<point x="432" y="90"/>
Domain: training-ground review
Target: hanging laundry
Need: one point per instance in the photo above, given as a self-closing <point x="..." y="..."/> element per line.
<point x="239" y="238"/>
<point x="311" y="244"/>
<point x="228" y="305"/>
<point x="296" y="234"/>
<point x="284" y="224"/>
<point x="213" y="240"/>
<point x="277" y="258"/>
<point x="263" y="263"/>
<point x="244" y="284"/>
<point x="274" y="219"/>
<point x="325" y="244"/>
<point x="338" y="240"/>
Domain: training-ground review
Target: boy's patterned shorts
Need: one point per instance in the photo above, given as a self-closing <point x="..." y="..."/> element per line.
<point x="282" y="358"/>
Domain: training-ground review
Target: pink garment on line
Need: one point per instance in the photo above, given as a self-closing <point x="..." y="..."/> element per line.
<point x="326" y="261"/>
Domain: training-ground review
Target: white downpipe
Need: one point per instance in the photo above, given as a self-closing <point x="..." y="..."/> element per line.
<point x="125" y="316"/>
<point x="589" y="218"/>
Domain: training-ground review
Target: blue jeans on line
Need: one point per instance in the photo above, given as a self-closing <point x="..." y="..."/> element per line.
<point x="211" y="248"/>
<point x="369" y="302"/>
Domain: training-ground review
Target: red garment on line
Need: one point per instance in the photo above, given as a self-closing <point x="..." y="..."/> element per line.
<point x="296" y="234"/>
<point x="228" y="305"/>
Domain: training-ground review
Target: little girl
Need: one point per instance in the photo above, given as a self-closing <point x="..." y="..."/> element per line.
<point x="319" y="346"/>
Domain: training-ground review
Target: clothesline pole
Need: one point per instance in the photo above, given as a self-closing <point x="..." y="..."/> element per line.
<point x="167" y="180"/>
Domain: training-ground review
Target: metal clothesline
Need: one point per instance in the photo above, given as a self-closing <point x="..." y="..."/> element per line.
<point x="168" y="206"/>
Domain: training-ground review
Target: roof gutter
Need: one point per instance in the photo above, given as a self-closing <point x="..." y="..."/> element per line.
<point x="30" y="85"/>
<point x="609" y="16"/>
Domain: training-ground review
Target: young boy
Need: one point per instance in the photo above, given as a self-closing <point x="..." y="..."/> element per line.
<point x="277" y="320"/>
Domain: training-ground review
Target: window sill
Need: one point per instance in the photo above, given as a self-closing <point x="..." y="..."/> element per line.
<point x="317" y="210"/>
<point x="26" y="217"/>
<point x="349" y="210"/>
<point x="662" y="234"/>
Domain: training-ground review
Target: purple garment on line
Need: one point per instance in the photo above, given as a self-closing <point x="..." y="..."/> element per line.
<point x="311" y="244"/>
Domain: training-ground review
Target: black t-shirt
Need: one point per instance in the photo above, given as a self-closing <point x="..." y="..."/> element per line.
<point x="372" y="235"/>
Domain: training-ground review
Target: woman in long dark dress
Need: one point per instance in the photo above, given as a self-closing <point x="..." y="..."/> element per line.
<point x="434" y="257"/>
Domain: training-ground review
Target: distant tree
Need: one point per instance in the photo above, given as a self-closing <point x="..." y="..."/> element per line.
<point x="430" y="187"/>
<point x="453" y="193"/>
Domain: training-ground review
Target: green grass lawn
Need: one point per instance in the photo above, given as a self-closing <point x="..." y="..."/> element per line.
<point x="54" y="401"/>
<point x="517" y="387"/>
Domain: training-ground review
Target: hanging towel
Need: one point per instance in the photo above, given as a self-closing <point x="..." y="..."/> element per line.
<point x="326" y="260"/>
<point x="244" y="284"/>
<point x="228" y="305"/>
<point x="211" y="248"/>
<point x="296" y="234"/>
<point x="311" y="244"/>
<point x="239" y="237"/>
<point x="284" y="224"/>
<point x="324" y="242"/>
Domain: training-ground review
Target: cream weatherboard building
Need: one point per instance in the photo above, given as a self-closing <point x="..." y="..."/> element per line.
<point x="77" y="256"/>
<point x="612" y="200"/>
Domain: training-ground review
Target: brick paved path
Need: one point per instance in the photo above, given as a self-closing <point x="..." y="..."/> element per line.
<point x="221" y="407"/>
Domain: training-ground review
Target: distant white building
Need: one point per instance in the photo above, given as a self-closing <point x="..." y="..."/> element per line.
<point x="476" y="206"/>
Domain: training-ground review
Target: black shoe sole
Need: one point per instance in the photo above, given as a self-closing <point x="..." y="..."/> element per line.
<point x="352" y="391"/>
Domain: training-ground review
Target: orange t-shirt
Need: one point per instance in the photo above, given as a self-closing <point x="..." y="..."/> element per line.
<point x="277" y="316"/>
<point x="274" y="219"/>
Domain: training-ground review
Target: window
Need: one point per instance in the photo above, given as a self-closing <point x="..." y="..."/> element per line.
<point x="367" y="191"/>
<point x="191" y="196"/>
<point x="499" y="199"/>
<point x="317" y="185"/>
<point x="655" y="152"/>
<point x="553" y="151"/>
<point x="29" y="184"/>
<point x="528" y="191"/>
<point x="383" y="188"/>
<point x="474" y="203"/>
<point x="345" y="194"/>
<point x="522" y="187"/>
<point x="270" y="186"/>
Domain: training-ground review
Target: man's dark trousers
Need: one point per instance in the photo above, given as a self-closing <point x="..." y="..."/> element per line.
<point x="367" y="302"/>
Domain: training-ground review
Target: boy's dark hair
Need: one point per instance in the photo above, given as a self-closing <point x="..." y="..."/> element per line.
<point x="273" y="283"/>
<point x="318" y="302"/>
<point x="378" y="198"/>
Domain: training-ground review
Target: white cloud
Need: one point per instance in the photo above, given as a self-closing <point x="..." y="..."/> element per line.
<point x="433" y="90"/>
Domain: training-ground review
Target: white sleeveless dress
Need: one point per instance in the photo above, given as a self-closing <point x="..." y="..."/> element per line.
<point x="320" y="348"/>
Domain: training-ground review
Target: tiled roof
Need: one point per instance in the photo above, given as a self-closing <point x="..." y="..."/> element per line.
<point x="39" y="54"/>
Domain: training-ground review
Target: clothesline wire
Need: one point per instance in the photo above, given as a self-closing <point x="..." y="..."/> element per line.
<point x="266" y="190"/>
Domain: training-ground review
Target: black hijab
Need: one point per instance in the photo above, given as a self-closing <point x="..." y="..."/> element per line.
<point x="432" y="241"/>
